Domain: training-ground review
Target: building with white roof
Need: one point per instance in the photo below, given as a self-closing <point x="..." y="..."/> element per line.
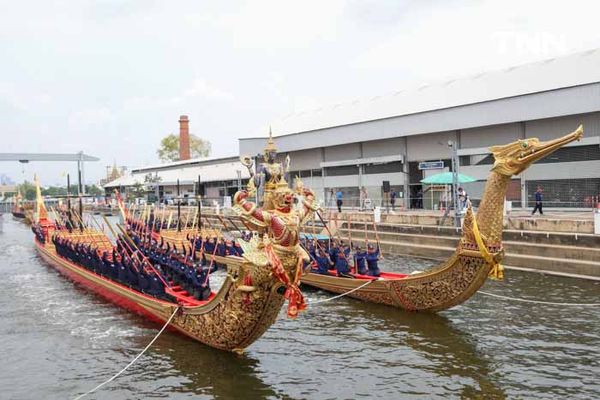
<point x="387" y="138"/>
<point x="218" y="177"/>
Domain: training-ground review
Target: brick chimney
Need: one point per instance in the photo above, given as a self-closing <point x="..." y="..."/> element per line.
<point x="184" y="138"/>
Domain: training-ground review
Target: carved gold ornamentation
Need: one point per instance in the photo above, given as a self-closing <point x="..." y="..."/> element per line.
<point x="458" y="278"/>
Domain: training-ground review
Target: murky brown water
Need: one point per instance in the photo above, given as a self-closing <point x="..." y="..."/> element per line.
<point x="58" y="341"/>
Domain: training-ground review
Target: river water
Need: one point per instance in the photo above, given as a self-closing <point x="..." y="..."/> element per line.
<point x="57" y="341"/>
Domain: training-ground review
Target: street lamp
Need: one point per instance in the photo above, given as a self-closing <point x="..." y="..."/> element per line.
<point x="455" y="164"/>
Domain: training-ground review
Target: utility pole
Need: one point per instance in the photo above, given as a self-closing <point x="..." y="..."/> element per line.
<point x="178" y="209"/>
<point x="199" y="199"/>
<point x="157" y="188"/>
<point x="453" y="146"/>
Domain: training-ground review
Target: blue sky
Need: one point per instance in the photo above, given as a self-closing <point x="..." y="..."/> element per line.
<point x="112" y="77"/>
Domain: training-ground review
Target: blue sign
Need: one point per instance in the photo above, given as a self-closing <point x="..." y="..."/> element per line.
<point x="431" y="165"/>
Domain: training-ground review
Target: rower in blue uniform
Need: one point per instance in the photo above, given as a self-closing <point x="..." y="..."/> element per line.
<point x="360" y="257"/>
<point x="372" y="260"/>
<point x="342" y="265"/>
<point x="323" y="262"/>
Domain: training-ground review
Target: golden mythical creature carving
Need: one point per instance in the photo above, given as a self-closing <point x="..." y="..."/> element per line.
<point x="277" y="243"/>
<point x="478" y="254"/>
<point x="255" y="287"/>
<point x="269" y="175"/>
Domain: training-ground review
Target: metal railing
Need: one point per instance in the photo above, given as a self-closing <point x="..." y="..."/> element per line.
<point x="424" y="204"/>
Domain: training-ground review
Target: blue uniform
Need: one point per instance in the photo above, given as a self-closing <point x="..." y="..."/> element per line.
<point x="333" y="254"/>
<point x="322" y="265"/>
<point x="360" y="260"/>
<point x="341" y="265"/>
<point x="372" y="263"/>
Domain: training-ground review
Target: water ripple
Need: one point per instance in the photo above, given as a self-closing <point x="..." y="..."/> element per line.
<point x="66" y="340"/>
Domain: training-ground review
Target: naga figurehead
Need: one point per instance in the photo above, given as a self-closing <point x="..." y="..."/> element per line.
<point x="513" y="158"/>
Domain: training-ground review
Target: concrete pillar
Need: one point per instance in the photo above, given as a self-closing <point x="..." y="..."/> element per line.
<point x="184" y="138"/>
<point x="80" y="173"/>
<point x="523" y="135"/>
<point x="405" y="170"/>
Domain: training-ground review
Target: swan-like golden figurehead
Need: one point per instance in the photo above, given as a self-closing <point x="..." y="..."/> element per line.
<point x="514" y="158"/>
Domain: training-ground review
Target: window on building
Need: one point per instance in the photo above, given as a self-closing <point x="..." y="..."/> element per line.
<point x="307" y="173"/>
<point x="565" y="154"/>
<point x="487" y="160"/>
<point x="414" y="173"/>
<point x="343" y="170"/>
<point x="385" y="168"/>
<point x="574" y="193"/>
<point x="464" y="160"/>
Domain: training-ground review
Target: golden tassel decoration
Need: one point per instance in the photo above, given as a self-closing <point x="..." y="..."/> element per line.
<point x="497" y="271"/>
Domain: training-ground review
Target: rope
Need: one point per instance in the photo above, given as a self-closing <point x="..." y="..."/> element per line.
<point x="115" y="376"/>
<point x="343" y="294"/>
<point x="539" y="302"/>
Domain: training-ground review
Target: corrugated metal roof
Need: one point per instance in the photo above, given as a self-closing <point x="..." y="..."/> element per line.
<point x="191" y="161"/>
<point x="573" y="70"/>
<point x="187" y="174"/>
<point x="125" y="180"/>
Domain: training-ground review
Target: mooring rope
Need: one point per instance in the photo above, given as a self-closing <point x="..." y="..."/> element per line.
<point x="343" y="294"/>
<point x="538" y="301"/>
<point x="115" y="376"/>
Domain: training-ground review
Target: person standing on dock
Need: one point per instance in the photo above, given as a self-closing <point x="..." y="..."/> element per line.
<point x="339" y="196"/>
<point x="538" y="201"/>
<point x="362" y="198"/>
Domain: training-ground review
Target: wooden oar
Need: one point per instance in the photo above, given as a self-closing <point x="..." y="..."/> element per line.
<point x="110" y="227"/>
<point x="350" y="237"/>
<point x="187" y="218"/>
<point x="377" y="238"/>
<point x="57" y="218"/>
<point x="169" y="221"/>
<point x="194" y="220"/>
<point x="330" y="234"/>
<point x="84" y="231"/>
<point x="140" y="253"/>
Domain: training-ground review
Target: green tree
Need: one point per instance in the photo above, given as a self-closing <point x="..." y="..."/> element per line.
<point x="27" y="190"/>
<point x="94" y="190"/>
<point x="138" y="190"/>
<point x="169" y="148"/>
<point x="54" y="191"/>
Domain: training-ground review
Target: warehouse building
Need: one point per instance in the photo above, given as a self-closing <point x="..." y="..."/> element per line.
<point x="219" y="178"/>
<point x="402" y="137"/>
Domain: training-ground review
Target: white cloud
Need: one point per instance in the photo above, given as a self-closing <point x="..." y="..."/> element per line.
<point x="201" y="88"/>
<point x="89" y="119"/>
<point x="435" y="42"/>
<point x="108" y="77"/>
<point x="276" y="24"/>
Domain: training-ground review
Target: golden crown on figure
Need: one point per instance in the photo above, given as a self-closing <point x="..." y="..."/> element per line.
<point x="270" y="147"/>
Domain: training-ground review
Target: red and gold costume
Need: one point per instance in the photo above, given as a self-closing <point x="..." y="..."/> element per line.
<point x="279" y="229"/>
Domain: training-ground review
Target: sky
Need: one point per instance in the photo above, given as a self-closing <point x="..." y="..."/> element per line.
<point x="111" y="78"/>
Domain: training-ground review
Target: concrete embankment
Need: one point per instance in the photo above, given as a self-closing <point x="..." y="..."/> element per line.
<point x="554" y="221"/>
<point x="565" y="252"/>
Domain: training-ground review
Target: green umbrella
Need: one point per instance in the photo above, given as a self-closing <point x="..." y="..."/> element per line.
<point x="445" y="178"/>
